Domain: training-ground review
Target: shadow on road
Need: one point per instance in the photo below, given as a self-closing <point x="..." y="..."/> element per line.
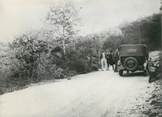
<point x="135" y="74"/>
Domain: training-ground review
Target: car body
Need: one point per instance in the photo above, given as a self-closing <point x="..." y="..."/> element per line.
<point x="132" y="57"/>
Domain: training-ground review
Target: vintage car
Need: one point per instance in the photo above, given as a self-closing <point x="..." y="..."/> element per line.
<point x="132" y="58"/>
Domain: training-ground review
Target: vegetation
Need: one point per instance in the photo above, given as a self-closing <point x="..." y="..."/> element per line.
<point x="143" y="31"/>
<point x="146" y="30"/>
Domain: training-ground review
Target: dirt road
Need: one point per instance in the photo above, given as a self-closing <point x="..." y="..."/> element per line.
<point x="98" y="94"/>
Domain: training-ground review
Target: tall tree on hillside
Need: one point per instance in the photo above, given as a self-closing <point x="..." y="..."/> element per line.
<point x="132" y="32"/>
<point x="63" y="19"/>
<point x="152" y="31"/>
<point x="146" y="30"/>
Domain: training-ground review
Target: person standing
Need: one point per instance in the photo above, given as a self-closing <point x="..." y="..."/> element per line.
<point x="116" y="58"/>
<point x="107" y="58"/>
<point x="111" y="60"/>
<point x="103" y="61"/>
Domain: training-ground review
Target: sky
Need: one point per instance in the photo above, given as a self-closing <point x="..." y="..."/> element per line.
<point x="18" y="16"/>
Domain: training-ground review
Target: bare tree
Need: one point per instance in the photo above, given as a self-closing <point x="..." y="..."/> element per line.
<point x="63" y="19"/>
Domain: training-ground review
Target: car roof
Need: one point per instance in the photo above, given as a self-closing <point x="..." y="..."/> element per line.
<point x="126" y="45"/>
<point x="133" y="50"/>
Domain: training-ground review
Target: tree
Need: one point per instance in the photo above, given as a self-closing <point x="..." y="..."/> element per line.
<point x="112" y="42"/>
<point x="64" y="20"/>
<point x="146" y="30"/>
<point x="27" y="50"/>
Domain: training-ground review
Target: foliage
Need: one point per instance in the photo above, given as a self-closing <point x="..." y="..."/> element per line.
<point x="27" y="51"/>
<point x="146" y="30"/>
<point x="112" y="42"/>
<point x="64" y="20"/>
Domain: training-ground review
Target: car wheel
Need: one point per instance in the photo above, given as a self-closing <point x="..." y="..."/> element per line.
<point x="131" y="63"/>
<point x="121" y="72"/>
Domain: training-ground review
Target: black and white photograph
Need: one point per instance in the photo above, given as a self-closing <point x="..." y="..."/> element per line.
<point x="80" y="58"/>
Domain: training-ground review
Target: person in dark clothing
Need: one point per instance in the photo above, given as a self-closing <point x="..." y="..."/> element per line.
<point x="116" y="58"/>
<point x="111" y="60"/>
<point x="107" y="58"/>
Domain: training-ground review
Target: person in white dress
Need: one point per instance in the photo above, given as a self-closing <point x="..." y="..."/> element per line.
<point x="103" y="62"/>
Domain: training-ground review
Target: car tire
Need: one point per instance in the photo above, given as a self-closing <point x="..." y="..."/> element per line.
<point x="121" y="72"/>
<point x="131" y="63"/>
